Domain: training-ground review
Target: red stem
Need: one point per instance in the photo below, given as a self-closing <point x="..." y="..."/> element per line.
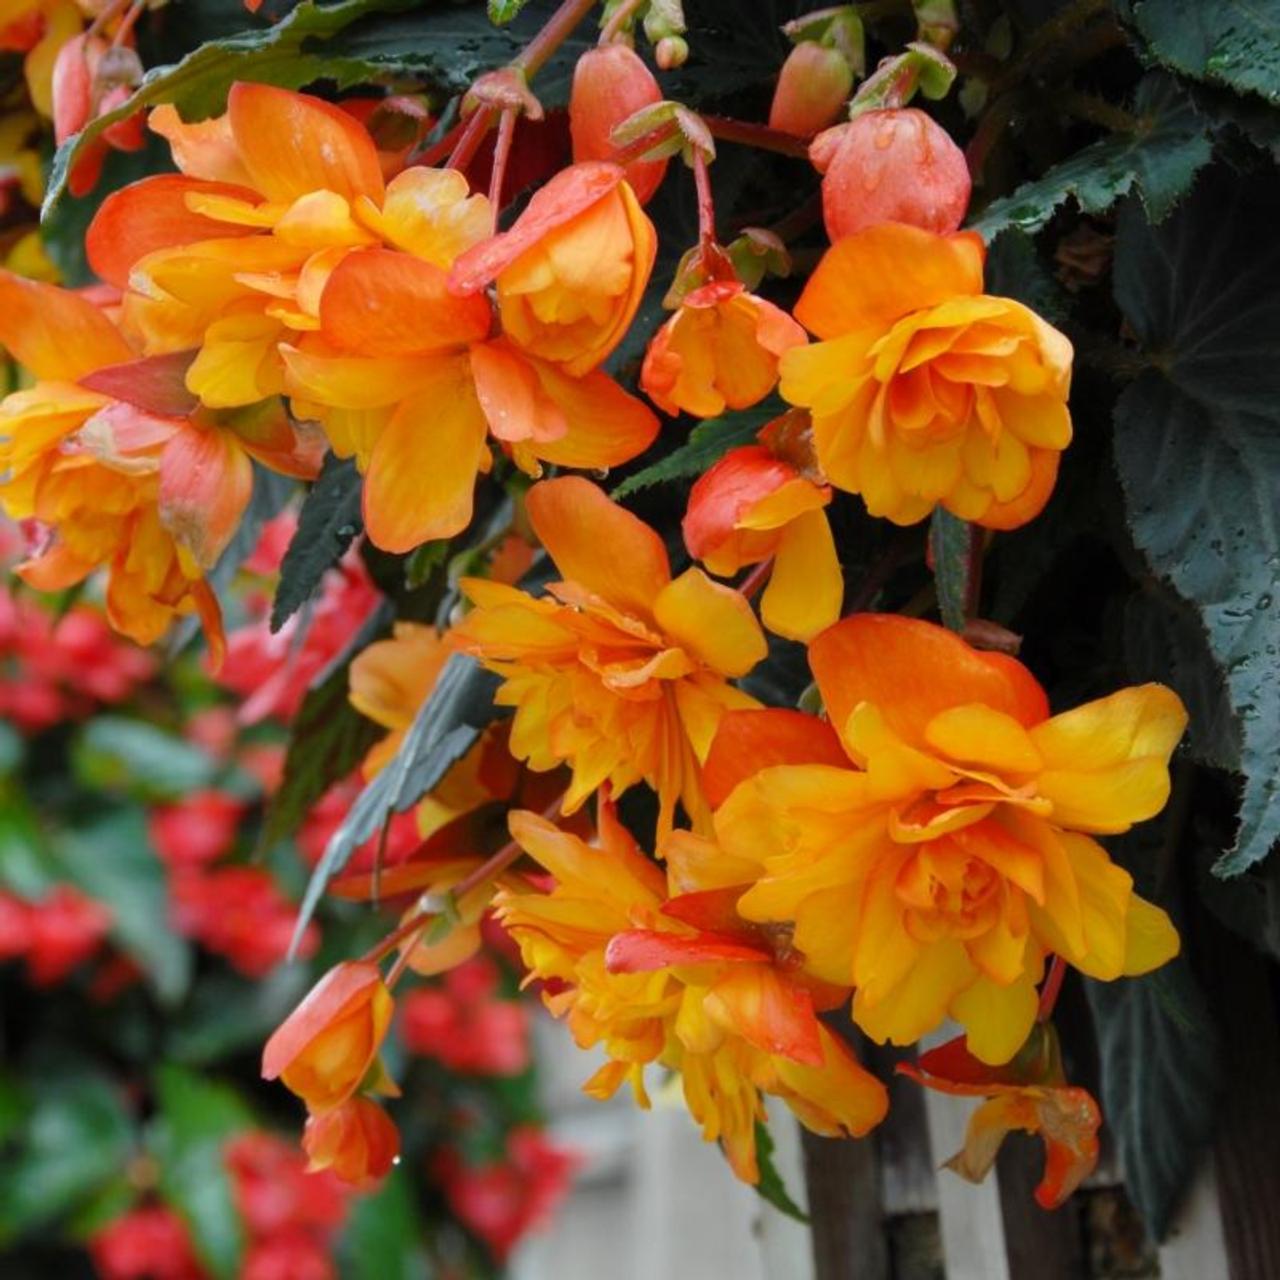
<point x="1052" y="986"/>
<point x="756" y="135"/>
<point x="706" y="204"/>
<point x="501" y="153"/>
<point x="756" y="578"/>
<point x="559" y="27"/>
<point x="468" y="143"/>
<point x="441" y="147"/>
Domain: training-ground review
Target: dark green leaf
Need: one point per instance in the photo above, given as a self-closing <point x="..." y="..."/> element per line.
<point x="708" y="442"/>
<point x="1232" y="42"/>
<point x="1160" y="159"/>
<point x="771" y="1187"/>
<point x="131" y="757"/>
<point x="950" y="547"/>
<point x="1015" y="270"/>
<point x="381" y="1240"/>
<point x="112" y="861"/>
<point x="196" y="1118"/>
<point x="27" y="866"/>
<point x="446" y="727"/>
<point x="328" y="738"/>
<point x="1197" y="445"/>
<point x="1160" y="1079"/>
<point x="283" y="54"/>
<point x="327" y="524"/>
<point x="226" y="1014"/>
<point x="77" y="1134"/>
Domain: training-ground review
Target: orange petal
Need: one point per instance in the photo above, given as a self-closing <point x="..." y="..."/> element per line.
<point x="726" y="491"/>
<point x="512" y="395"/>
<point x="913" y="670"/>
<point x="379" y="302"/>
<point x="340" y="989"/>
<point x="153" y="214"/>
<point x="202" y="149"/>
<point x="765" y="1010"/>
<point x="712" y="621"/>
<point x="647" y="950"/>
<point x="292" y="144"/>
<point x="877" y="276"/>
<point x="748" y="741"/>
<point x="205" y="483"/>
<point x="55" y="334"/>
<point x="422" y="473"/>
<point x="597" y="544"/>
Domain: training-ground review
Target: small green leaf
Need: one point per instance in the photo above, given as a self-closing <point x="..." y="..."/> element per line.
<point x="445" y="728"/>
<point x="503" y="11"/>
<point x="133" y="758"/>
<point x="708" y="442"/>
<point x="771" y="1187"/>
<point x="1197" y="446"/>
<point x="328" y="523"/>
<point x="1160" y="159"/>
<point x="111" y="860"/>
<point x="950" y="547"/>
<point x="328" y="738"/>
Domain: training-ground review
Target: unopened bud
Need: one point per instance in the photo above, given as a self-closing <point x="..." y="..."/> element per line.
<point x="811" y="91"/>
<point x="671" y="52"/>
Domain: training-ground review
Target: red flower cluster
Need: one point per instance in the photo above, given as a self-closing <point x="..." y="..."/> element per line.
<point x="503" y="1200"/>
<point x="327" y="814"/>
<point x="55" y="935"/>
<point x="463" y="1026"/>
<point x="147" y="1243"/>
<point x="195" y="830"/>
<point x="53" y="671"/>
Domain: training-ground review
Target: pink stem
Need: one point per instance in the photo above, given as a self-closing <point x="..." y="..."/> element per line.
<point x="1052" y="986"/>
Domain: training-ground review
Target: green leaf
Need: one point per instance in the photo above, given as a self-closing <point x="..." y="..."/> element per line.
<point x="284" y="54"/>
<point x="1231" y="42"/>
<point x="328" y="738"/>
<point x="503" y="11"/>
<point x="329" y="521"/>
<point x="1161" y="1075"/>
<point x="140" y="760"/>
<point x="950" y="545"/>
<point x="196" y="1117"/>
<point x="771" y="1187"/>
<point x="381" y="1240"/>
<point x="447" y="725"/>
<point x="1197" y="446"/>
<point x="708" y="442"/>
<point x="227" y="1014"/>
<point x="27" y="867"/>
<point x="76" y="1136"/>
<point x="1161" y="159"/>
<point x="112" y="861"/>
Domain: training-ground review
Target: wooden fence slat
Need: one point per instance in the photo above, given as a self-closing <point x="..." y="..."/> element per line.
<point x="1040" y="1244"/>
<point x="1195" y="1249"/>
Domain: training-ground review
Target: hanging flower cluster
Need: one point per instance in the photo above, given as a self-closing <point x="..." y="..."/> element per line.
<point x="920" y="843"/>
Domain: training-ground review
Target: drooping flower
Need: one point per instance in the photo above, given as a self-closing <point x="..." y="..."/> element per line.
<point x="623" y="673"/>
<point x="1031" y="1094"/>
<point x="720" y="350"/>
<point x="685" y="982"/>
<point x="610" y="84"/>
<point x="357" y="1142"/>
<point x="937" y="869"/>
<point x="894" y="165"/>
<point x="758" y="503"/>
<point x="326" y="1047"/>
<point x="925" y="391"/>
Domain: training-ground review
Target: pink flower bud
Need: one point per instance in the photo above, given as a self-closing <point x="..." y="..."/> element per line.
<point x="812" y="87"/>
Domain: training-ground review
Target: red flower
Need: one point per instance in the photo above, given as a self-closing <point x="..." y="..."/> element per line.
<point x="197" y="829"/>
<point x="294" y="1256"/>
<point x="66" y="929"/>
<point x="275" y="1193"/>
<point x="150" y="1243"/>
<point x="15" y="926"/>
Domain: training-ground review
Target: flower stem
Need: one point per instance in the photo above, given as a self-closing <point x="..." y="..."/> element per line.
<point x="706" y="203"/>
<point x="1052" y="986"/>
<point x="756" y="135"/>
<point x="559" y="27"/>
<point x="621" y="15"/>
<point x="501" y="153"/>
<point x="756" y="578"/>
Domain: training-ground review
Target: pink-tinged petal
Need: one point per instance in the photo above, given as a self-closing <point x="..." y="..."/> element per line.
<point x="56" y="334"/>
<point x="125" y="438"/>
<point x="380" y="302"/>
<point x="748" y="741"/>
<point x="292" y="144"/>
<point x="709" y="910"/>
<point x="597" y="544"/>
<point x="338" y="990"/>
<point x="913" y="670"/>
<point x="153" y="214"/>
<point x="567" y="194"/>
<point x="156" y="383"/>
<point x="647" y="950"/>
<point x="205" y="484"/>
<point x="726" y="491"/>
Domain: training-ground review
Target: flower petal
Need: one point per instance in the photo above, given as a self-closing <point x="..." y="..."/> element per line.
<point x="205" y="484"/>
<point x="806" y="587"/>
<point x="748" y="741"/>
<point x="711" y="620"/>
<point x="55" y="334"/>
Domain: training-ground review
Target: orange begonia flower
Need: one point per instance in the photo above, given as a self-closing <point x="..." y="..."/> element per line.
<point x="936" y="872"/>
<point x="923" y="389"/>
<point x="324" y="1050"/>
<point x="683" y="982"/>
<point x="572" y="270"/>
<point x="1030" y="1094"/>
<point x="622" y="674"/>
<point x="38" y="29"/>
<point x="753" y="505"/>
<point x="719" y="351"/>
<point x="112" y="456"/>
<point x="357" y="1141"/>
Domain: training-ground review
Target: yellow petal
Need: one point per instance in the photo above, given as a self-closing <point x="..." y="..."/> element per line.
<point x="1150" y="939"/>
<point x="712" y="621"/>
<point x="806" y="587"/>
<point x="997" y="1018"/>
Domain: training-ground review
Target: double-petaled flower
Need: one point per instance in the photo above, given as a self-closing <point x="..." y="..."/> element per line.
<point x="925" y="391"/>
<point x="623" y="672"/>
<point x="120" y="468"/>
<point x="287" y="261"/>
<point x="936" y="844"/>
<point x="679" y="979"/>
